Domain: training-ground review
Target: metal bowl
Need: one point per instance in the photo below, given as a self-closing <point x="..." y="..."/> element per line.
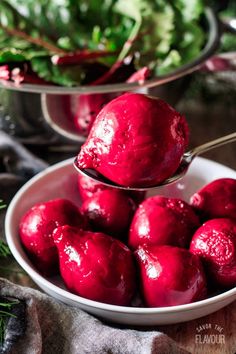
<point x="39" y="114"/>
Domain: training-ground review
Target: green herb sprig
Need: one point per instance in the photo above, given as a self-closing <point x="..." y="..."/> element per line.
<point x="5" y="307"/>
<point x="5" y="313"/>
<point x="4" y="249"/>
<point x="2" y="205"/>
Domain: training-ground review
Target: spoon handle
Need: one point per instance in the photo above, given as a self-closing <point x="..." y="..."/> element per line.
<point x="212" y="144"/>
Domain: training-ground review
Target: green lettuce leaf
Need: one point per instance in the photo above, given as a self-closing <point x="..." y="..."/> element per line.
<point x="60" y="75"/>
<point x="160" y="34"/>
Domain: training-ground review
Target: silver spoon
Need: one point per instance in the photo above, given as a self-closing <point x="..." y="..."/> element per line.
<point x="181" y="171"/>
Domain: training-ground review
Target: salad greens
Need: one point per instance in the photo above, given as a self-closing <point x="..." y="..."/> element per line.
<point x="158" y="34"/>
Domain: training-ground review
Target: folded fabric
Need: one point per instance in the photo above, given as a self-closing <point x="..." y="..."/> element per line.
<point x="17" y="159"/>
<point x="54" y="328"/>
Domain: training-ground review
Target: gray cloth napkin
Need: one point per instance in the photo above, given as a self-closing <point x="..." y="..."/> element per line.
<point x="17" y="165"/>
<point x="17" y="159"/>
<point x="55" y="328"/>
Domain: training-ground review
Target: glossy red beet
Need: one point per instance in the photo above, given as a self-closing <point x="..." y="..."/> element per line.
<point x="217" y="199"/>
<point x="136" y="140"/>
<point x="170" y="276"/>
<point x="96" y="266"/>
<point x="215" y="243"/>
<point x="163" y="221"/>
<point x="109" y="211"/>
<point x="36" y="228"/>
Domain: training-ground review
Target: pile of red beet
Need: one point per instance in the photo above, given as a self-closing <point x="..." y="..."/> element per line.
<point x="117" y="244"/>
<point x="116" y="247"/>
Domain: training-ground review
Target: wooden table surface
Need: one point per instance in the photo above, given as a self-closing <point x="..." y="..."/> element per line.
<point x="219" y="327"/>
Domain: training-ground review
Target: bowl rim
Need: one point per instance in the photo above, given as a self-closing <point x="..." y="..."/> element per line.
<point x="46" y="283"/>
<point x="211" y="46"/>
<point x="68" y="134"/>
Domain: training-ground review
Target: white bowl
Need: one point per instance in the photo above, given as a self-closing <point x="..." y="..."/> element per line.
<point x="60" y="181"/>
